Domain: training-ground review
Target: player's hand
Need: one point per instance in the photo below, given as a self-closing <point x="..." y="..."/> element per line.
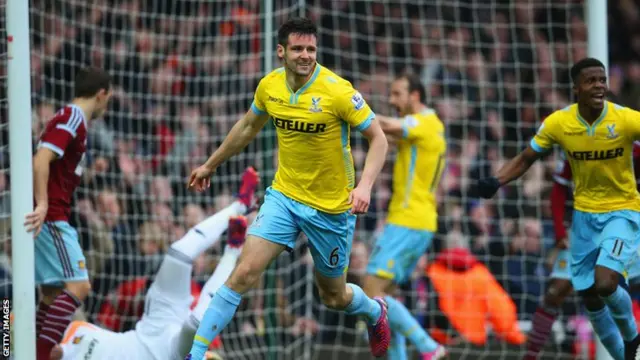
<point x="56" y="353"/>
<point x="200" y="178"/>
<point x="488" y="187"/>
<point x="34" y="220"/>
<point x="359" y="198"/>
<point x="562" y="244"/>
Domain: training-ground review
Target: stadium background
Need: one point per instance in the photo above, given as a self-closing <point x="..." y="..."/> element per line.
<point x="185" y="70"/>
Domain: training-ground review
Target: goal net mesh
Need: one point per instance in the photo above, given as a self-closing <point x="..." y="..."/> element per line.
<point x="185" y="71"/>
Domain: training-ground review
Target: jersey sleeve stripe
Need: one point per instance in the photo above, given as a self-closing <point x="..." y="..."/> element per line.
<point x="67" y="129"/>
<point x="366" y="123"/>
<point x="536" y="147"/>
<point x="74" y="120"/>
<point x="257" y="110"/>
<point x="51" y="147"/>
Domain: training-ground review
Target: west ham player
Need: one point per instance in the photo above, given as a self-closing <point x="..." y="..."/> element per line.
<point x="413" y="214"/>
<point x="57" y="167"/>
<point x="165" y="330"/>
<point x="559" y="286"/>
<point x="598" y="138"/>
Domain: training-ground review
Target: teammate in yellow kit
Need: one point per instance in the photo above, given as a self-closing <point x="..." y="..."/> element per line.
<point x="413" y="214"/>
<point x="597" y="136"/>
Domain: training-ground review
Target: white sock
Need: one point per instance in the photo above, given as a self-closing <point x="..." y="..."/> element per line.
<point x="220" y="275"/>
<point x="204" y="235"/>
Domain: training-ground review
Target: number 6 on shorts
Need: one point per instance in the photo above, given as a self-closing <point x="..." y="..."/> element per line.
<point x="334" y="258"/>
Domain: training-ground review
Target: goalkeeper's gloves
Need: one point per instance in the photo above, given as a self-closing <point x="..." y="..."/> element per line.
<point x="488" y="187"/>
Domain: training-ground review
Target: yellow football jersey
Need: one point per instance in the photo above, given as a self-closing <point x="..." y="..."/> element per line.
<point x="420" y="161"/>
<point x="313" y="126"/>
<point x="600" y="155"/>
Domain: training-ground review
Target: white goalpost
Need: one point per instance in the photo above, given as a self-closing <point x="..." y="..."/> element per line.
<point x="19" y="109"/>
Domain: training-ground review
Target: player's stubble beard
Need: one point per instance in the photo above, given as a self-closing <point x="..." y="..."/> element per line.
<point x="292" y="66"/>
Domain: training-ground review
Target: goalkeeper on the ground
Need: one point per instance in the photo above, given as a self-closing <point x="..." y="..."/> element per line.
<point x="165" y="330"/>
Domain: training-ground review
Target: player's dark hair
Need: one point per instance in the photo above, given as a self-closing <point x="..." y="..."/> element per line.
<point x="298" y="26"/>
<point x="415" y="84"/>
<point x="585" y="63"/>
<point x="89" y="81"/>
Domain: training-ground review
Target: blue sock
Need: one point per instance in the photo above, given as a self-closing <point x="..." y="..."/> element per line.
<point x="619" y="304"/>
<point x="402" y="321"/>
<point x="606" y="329"/>
<point x="220" y="311"/>
<point x="361" y="304"/>
<point x="398" y="347"/>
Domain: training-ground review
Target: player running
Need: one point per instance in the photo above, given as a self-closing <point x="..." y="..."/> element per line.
<point x="413" y="215"/>
<point x="559" y="286"/>
<point x="167" y="326"/>
<point x="598" y="138"/>
<point x="57" y="167"/>
<point x="313" y="192"/>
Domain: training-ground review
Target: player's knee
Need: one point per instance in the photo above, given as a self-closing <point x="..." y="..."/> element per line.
<point x="335" y="299"/>
<point x="49" y="293"/>
<point x="243" y="277"/>
<point x="556" y="292"/>
<point x="80" y="289"/>
<point x="606" y="281"/>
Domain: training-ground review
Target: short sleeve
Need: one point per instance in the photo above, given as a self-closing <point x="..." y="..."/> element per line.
<point x="351" y="107"/>
<point x="258" y="105"/>
<point x="415" y="129"/>
<point x="545" y="138"/>
<point x="57" y="137"/>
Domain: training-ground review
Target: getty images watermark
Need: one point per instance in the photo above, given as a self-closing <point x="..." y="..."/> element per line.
<point x="6" y="328"/>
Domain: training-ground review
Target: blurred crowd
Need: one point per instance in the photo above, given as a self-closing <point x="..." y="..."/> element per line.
<point x="184" y="72"/>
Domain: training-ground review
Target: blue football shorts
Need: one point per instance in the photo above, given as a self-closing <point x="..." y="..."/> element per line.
<point x="606" y="239"/>
<point x="397" y="251"/>
<point x="281" y="219"/>
<point x="58" y="255"/>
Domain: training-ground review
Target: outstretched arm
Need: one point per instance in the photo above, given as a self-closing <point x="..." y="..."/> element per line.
<point x="517" y="166"/>
<point x="238" y="138"/>
<point x="241" y="134"/>
<point x="512" y="170"/>
<point x="391" y="126"/>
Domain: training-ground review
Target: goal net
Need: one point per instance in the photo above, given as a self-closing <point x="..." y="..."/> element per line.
<point x="185" y="71"/>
